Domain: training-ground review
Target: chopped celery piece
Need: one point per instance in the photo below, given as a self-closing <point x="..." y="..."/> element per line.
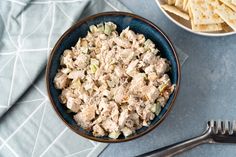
<point x="154" y="108"/>
<point x="93" y="68"/>
<point x="158" y="109"/>
<point x="114" y="134"/>
<point x="76" y="84"/>
<point x="148" y="42"/>
<point x="126" y="131"/>
<point x="107" y="29"/>
<point x="112" y="25"/>
<point x="93" y="28"/>
<point x="163" y="86"/>
<point x="84" y="46"/>
<point x="100" y="27"/>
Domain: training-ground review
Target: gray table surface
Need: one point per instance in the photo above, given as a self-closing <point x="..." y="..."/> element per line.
<point x="208" y="90"/>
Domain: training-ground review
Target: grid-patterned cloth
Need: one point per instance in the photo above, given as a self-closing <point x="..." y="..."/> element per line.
<point x="28" y="31"/>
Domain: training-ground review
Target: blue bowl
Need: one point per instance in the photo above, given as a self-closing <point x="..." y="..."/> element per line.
<point x="122" y="20"/>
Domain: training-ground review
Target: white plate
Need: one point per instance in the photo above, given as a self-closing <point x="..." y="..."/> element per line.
<point x="186" y="24"/>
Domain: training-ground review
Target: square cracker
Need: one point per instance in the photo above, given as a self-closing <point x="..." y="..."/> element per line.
<point x="229" y="4"/>
<point x="204" y="27"/>
<point x="203" y="11"/>
<point x="228" y="15"/>
<point x="175" y="11"/>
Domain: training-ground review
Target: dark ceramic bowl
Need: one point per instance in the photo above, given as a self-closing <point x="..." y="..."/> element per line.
<point x="122" y="20"/>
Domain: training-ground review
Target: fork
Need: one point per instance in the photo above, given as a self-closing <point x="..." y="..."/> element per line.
<point x="216" y="132"/>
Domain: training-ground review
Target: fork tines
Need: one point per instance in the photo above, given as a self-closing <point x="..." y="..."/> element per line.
<point x="223" y="127"/>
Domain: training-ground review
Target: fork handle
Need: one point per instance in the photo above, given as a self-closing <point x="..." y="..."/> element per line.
<point x="179" y="147"/>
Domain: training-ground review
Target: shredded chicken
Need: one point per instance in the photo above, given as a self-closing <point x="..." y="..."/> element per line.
<point x="115" y="84"/>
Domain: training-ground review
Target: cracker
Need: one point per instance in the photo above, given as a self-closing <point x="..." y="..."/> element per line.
<point x="185" y="5"/>
<point x="233" y="2"/>
<point x="229" y="4"/>
<point x="179" y="4"/>
<point x="227" y="15"/>
<point x="206" y="27"/>
<point x="175" y="11"/>
<point x="170" y="2"/>
<point x="190" y="13"/>
<point x="203" y="11"/>
<point x="203" y="27"/>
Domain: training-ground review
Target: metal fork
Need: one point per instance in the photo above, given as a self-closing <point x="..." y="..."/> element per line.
<point x="216" y="132"/>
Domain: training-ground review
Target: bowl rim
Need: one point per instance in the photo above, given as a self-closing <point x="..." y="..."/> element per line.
<point x="190" y="30"/>
<point x="73" y="27"/>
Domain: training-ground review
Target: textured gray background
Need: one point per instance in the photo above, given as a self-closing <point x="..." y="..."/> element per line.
<point x="207" y="89"/>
